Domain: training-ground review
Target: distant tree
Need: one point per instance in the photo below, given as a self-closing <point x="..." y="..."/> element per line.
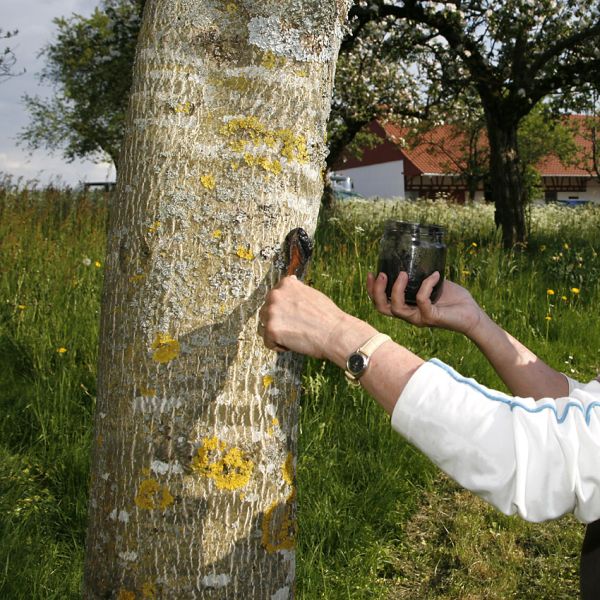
<point x="90" y="67"/>
<point x="513" y="54"/>
<point x="7" y="57"/>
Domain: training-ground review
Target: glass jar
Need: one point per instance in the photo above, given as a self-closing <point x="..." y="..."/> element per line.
<point x="415" y="248"/>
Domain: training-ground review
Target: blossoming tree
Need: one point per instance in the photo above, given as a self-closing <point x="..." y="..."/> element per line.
<point x="513" y="54"/>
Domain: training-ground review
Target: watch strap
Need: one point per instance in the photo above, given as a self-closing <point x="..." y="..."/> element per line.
<point x="367" y="349"/>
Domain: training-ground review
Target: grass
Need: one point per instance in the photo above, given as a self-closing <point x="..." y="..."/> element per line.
<point x="377" y="519"/>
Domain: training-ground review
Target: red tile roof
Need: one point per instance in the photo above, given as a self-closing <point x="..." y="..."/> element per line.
<point x="439" y="150"/>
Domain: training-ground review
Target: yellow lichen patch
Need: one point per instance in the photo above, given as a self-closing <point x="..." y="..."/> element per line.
<point x="267" y="380"/>
<point x="245" y="253"/>
<point x="271" y="60"/>
<point x="184" y="108"/>
<point x="137" y="278"/>
<point x="208" y="181"/>
<point x="228" y="467"/>
<point x="100" y="440"/>
<point x="287" y="469"/>
<point x="236" y="83"/>
<point x="294" y="146"/>
<point x="279" y="526"/>
<point x="230" y="7"/>
<point x="146" y="391"/>
<point x="302" y="73"/>
<point x="149" y="591"/>
<point x="165" y="348"/>
<point x="151" y="496"/>
<point x="217" y="234"/>
<point x="125" y="595"/>
<point x="154" y="227"/>
<point x="250" y="131"/>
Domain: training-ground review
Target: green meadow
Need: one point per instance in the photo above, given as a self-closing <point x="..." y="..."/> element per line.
<point x="376" y="518"/>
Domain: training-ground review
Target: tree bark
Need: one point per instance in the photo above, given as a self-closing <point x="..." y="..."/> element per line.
<point x="192" y="487"/>
<point x="506" y="180"/>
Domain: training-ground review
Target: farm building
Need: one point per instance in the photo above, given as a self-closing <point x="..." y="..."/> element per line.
<point x="436" y="164"/>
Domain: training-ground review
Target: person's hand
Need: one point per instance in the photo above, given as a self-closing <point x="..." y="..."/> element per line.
<point x="299" y="318"/>
<point x="455" y="309"/>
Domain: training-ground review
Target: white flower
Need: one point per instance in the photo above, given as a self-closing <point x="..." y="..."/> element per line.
<point x="87" y="261"/>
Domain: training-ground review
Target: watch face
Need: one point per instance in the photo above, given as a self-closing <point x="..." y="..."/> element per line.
<point x="356" y="363"/>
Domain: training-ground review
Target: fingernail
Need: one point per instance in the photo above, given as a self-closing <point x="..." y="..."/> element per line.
<point x="381" y="276"/>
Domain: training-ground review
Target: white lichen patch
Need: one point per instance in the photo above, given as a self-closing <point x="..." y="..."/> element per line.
<point x="123" y="516"/>
<point x="273" y="34"/>
<point x="281" y="594"/>
<point x="216" y="580"/>
<point x="162" y="468"/>
<point x="128" y="556"/>
<point x="289" y="556"/>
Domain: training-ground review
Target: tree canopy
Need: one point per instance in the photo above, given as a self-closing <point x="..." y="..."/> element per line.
<point x="513" y="54"/>
<point x="7" y="57"/>
<point x="89" y="65"/>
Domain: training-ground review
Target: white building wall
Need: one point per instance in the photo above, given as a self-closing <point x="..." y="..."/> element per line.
<point x="385" y="180"/>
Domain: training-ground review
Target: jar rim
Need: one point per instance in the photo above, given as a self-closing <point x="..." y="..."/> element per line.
<point x="392" y="225"/>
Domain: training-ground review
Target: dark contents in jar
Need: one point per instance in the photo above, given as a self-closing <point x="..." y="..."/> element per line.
<point x="415" y="248"/>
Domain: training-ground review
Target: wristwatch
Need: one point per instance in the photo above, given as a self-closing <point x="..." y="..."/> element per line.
<point x="358" y="361"/>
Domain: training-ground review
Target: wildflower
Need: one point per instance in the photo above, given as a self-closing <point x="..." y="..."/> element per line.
<point x="474" y="244"/>
<point x="550" y="292"/>
<point x="61" y="350"/>
<point x="575" y="290"/>
<point x="87" y="261"/>
<point x="97" y="264"/>
<point x="548" y="318"/>
<point x="566" y="246"/>
<point x="466" y="273"/>
<point x="21" y="306"/>
<point x="564" y="298"/>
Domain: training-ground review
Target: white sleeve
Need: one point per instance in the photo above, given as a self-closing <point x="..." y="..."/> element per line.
<point x="540" y="459"/>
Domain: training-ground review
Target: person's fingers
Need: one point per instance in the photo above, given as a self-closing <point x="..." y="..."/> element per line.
<point x="370" y="284"/>
<point x="398" y="305"/>
<point x="378" y="295"/>
<point x="424" y="297"/>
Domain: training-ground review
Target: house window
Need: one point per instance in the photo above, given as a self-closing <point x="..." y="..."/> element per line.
<point x="550" y="195"/>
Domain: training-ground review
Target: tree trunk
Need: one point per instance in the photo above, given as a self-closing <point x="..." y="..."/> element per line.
<point x="192" y="487"/>
<point x="506" y="181"/>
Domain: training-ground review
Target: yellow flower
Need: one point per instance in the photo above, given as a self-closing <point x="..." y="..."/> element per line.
<point x="97" y="264"/>
<point x="61" y="350"/>
<point x="563" y="298"/>
<point x="550" y="292"/>
<point x="548" y="318"/>
<point x="466" y="273"/>
<point x="21" y="306"/>
<point x="474" y="244"/>
<point x="566" y="246"/>
<point x="575" y="290"/>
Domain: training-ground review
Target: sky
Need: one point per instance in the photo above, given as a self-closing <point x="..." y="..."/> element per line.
<point x="33" y="19"/>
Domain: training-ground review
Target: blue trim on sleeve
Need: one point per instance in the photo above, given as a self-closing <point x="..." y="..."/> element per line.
<point x="511" y="402"/>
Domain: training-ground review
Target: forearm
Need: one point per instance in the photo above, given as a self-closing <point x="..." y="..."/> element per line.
<point x="390" y="367"/>
<point x="524" y="373"/>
